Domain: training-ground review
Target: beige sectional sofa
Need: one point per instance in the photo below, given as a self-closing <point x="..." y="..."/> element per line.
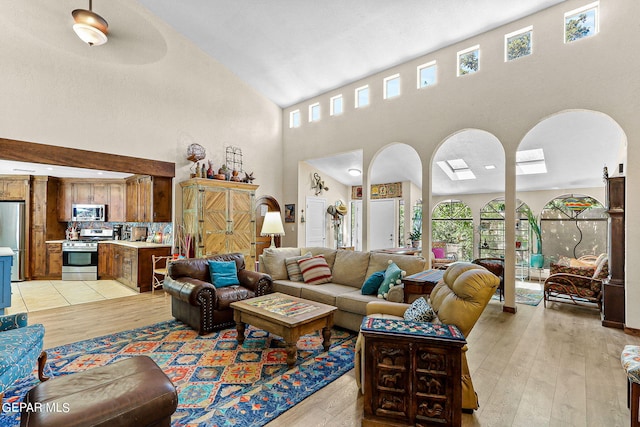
<point x="349" y="270"/>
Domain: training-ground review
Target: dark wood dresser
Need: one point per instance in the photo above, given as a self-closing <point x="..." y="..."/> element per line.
<point x="412" y="373"/>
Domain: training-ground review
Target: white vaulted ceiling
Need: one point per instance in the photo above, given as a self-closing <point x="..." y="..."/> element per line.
<point x="292" y="50"/>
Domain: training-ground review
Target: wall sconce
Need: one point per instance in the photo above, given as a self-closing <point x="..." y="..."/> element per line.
<point x="302" y="215"/>
<point x="89" y="26"/>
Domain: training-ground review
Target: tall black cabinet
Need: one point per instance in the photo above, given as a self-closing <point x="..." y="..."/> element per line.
<point x="613" y="310"/>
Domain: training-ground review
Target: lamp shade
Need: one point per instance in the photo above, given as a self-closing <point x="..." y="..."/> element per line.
<point x="272" y="224"/>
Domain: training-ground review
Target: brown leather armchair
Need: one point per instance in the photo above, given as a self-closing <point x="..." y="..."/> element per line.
<point x="199" y="304"/>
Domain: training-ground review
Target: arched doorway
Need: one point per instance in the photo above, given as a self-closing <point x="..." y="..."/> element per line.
<point x="265" y="204"/>
<point x="395" y="176"/>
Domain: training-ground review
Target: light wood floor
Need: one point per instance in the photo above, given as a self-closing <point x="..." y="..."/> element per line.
<point x="541" y="367"/>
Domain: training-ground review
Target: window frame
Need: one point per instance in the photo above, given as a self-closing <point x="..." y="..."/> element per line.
<point x="385" y="88"/>
<point x="513" y="34"/>
<point x="332" y="100"/>
<point x="464" y="52"/>
<point x="419" y="69"/>
<point x="292" y="123"/>
<point x="357" y="93"/>
<point x="312" y="107"/>
<point x="596" y="20"/>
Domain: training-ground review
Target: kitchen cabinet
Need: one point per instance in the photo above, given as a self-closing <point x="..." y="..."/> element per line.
<point x="6" y="261"/>
<point x="148" y="198"/>
<point x="54" y="260"/>
<point x="105" y="261"/>
<point x="221" y="216"/>
<point x="44" y="227"/>
<point x="107" y="192"/>
<point x="124" y="264"/>
<point x="14" y="187"/>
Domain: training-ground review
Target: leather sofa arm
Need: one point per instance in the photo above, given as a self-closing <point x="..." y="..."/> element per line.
<point x="188" y="289"/>
<point x="259" y="283"/>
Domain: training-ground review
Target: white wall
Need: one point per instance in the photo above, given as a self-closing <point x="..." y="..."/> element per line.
<point x="147" y="93"/>
<point x="295" y="233"/>
<point x="505" y="99"/>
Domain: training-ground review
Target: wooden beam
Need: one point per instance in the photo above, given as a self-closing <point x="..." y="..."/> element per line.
<point x="22" y="151"/>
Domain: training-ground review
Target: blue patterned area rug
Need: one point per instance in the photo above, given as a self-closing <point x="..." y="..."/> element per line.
<point x="219" y="383"/>
<point x="524" y="296"/>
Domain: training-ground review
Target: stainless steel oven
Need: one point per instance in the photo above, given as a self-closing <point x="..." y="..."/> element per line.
<point x="79" y="260"/>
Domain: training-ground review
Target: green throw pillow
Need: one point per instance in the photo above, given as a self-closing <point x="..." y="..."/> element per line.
<point x="223" y="273"/>
<point x="392" y="277"/>
<point x="371" y="285"/>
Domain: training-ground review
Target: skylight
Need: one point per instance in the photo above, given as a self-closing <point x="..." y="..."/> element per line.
<point x="456" y="169"/>
<point x="530" y="162"/>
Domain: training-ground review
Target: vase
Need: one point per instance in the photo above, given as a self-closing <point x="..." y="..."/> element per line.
<point x="537" y="260"/>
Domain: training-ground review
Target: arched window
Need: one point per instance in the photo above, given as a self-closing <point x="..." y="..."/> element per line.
<point x="492" y="233"/>
<point x="452" y="222"/>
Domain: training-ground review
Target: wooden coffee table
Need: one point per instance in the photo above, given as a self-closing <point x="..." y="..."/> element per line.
<point x="287" y="316"/>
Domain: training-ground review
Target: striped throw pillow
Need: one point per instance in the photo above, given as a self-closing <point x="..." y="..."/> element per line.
<point x="315" y="270"/>
<point x="293" y="269"/>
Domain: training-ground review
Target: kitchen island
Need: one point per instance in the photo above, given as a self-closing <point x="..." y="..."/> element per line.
<point x="130" y="263"/>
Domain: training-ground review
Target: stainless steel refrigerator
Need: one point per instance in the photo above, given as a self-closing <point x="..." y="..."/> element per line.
<point x="12" y="217"/>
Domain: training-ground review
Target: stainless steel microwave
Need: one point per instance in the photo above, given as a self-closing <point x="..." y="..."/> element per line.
<point x="88" y="212"/>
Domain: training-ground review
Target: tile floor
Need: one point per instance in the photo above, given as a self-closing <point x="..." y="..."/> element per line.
<point x="37" y="295"/>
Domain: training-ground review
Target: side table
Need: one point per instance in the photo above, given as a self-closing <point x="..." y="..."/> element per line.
<point x="413" y="373"/>
<point x="421" y="284"/>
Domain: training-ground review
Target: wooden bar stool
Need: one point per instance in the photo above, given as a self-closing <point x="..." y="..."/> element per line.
<point x="159" y="265"/>
<point x="630" y="359"/>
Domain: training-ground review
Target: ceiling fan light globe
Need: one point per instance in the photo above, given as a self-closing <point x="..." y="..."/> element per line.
<point x="90" y="35"/>
<point x="90" y="27"/>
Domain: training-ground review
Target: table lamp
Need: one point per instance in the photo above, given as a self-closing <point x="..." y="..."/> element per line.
<point x="272" y="226"/>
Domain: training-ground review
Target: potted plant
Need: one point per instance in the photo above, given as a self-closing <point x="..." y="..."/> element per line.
<point x="537" y="259"/>
<point x="415" y="237"/>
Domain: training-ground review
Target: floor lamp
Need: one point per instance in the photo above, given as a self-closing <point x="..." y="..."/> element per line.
<point x="272" y="226"/>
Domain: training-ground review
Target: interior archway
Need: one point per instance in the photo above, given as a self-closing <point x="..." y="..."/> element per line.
<point x="564" y="155"/>
<point x="395" y="176"/>
<point x="468" y="166"/>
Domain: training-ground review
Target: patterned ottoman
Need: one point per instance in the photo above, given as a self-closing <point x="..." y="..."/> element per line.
<point x="630" y="359"/>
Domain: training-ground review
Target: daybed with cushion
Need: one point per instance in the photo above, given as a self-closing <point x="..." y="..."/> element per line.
<point x="348" y="271"/>
<point x="458" y="299"/>
<point x="202" y="302"/>
<point x="577" y="280"/>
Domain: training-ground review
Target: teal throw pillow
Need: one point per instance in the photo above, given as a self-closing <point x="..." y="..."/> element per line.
<point x="371" y="285"/>
<point x="223" y="273"/>
<point x="392" y="277"/>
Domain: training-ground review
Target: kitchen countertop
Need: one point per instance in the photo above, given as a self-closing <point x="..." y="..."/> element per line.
<point x="6" y="252"/>
<point x="138" y="245"/>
